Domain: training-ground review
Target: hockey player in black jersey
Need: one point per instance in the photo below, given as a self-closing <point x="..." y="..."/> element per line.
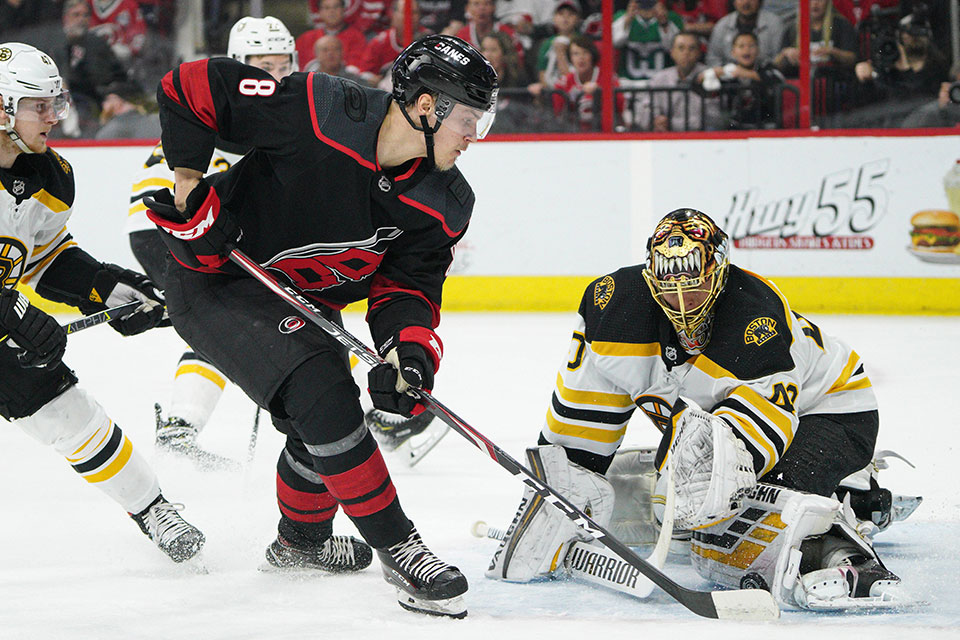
<point x="788" y="418"/>
<point x="349" y="193"/>
<point x="38" y="392"/>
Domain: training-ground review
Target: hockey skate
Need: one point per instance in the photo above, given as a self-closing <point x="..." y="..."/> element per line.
<point x="338" y="554"/>
<point x="875" y="508"/>
<point x="174" y="536"/>
<point x="177" y="436"/>
<point x="867" y="585"/>
<point x="411" y="438"/>
<point x="425" y="584"/>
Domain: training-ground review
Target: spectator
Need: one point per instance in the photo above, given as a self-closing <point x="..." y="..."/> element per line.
<point x="699" y="16"/>
<point x="498" y="49"/>
<point x="644" y="33"/>
<point x="480" y="22"/>
<point x="369" y="17"/>
<point x="747" y="16"/>
<point x="833" y="41"/>
<point x="580" y="85"/>
<point x="529" y="18"/>
<point x="675" y="110"/>
<point x="123" y="114"/>
<point x="913" y="79"/>
<point x="942" y="112"/>
<point x="437" y="16"/>
<point x="553" y="61"/>
<point x="332" y="22"/>
<point x="121" y="24"/>
<point x="329" y="59"/>
<point x="379" y="54"/>
<point x="19" y="19"/>
<point x="749" y="86"/>
<point x="87" y="63"/>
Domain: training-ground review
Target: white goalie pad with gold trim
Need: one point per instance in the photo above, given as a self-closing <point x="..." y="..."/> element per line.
<point x="539" y="535"/>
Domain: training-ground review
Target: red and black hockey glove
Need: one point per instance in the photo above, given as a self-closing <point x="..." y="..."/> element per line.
<point x="113" y="286"/>
<point x="41" y="339"/>
<point x="413" y="357"/>
<point x="201" y="237"/>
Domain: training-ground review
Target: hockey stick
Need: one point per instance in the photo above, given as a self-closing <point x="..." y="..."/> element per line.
<point x="100" y="317"/>
<point x="252" y="445"/>
<point x="738" y="605"/>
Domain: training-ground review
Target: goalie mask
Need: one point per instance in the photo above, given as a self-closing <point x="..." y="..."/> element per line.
<point x="686" y="270"/>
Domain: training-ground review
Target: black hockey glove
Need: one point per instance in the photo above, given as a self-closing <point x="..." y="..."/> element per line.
<point x="412" y="362"/>
<point x="41" y="339"/>
<point x="200" y="238"/>
<point x="114" y="286"/>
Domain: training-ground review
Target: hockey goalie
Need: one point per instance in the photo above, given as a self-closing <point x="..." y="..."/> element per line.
<point x="768" y="433"/>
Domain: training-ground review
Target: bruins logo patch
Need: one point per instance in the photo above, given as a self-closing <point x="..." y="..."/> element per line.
<point x="5" y="54"/>
<point x="603" y="291"/>
<point x="760" y="330"/>
<point x="13" y="261"/>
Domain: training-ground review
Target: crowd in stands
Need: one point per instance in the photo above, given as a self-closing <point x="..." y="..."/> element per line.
<point x="679" y="65"/>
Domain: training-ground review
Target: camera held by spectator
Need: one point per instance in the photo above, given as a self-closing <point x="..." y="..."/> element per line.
<point x="886" y="38"/>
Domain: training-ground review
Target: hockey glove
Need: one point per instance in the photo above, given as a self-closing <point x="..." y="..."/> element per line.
<point x="410" y="364"/>
<point x="40" y="337"/>
<point x="114" y="286"/>
<point x="200" y="238"/>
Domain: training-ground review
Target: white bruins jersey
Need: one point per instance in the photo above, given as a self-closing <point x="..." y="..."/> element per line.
<point x="764" y="367"/>
<point x="36" y="200"/>
<point x="156" y="175"/>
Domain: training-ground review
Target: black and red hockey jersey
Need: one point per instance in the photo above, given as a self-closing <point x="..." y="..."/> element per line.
<point x="315" y="206"/>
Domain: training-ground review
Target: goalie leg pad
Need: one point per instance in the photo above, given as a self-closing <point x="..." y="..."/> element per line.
<point x="539" y="535"/>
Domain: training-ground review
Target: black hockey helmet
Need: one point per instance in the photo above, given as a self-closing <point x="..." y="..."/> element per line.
<point x="452" y="68"/>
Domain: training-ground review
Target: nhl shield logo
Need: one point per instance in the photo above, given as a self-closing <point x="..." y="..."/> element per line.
<point x="671" y="353"/>
<point x="385" y="184"/>
<point x="603" y="291"/>
<point x="760" y="330"/>
<point x="18" y="187"/>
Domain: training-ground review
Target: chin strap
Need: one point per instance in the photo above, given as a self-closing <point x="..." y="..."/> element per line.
<point x="427" y="130"/>
<point x="12" y="133"/>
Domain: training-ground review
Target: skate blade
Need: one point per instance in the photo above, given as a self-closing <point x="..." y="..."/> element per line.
<point x="866" y="605"/>
<point x="416" y="447"/>
<point x="453" y="607"/>
<point x="195" y="565"/>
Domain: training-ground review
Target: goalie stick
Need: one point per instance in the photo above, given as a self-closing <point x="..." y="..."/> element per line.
<point x="100" y="317"/>
<point x="600" y="566"/>
<point x="737" y="605"/>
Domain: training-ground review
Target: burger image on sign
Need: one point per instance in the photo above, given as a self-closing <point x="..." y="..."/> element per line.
<point x="935" y="236"/>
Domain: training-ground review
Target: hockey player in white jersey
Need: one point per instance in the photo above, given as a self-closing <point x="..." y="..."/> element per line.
<point x="38" y="392"/>
<point x="788" y="413"/>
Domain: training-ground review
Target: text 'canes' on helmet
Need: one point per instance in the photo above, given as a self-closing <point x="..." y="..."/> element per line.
<point x="686" y="271"/>
<point x="456" y="72"/>
<point x="27" y="72"/>
<point x="261" y="37"/>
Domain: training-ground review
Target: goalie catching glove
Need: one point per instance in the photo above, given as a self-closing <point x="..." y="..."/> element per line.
<point x="412" y="358"/>
<point x="202" y="236"/>
<point x="540" y="534"/>
<point x="114" y="286"/>
<point x="713" y="469"/>
<point x="41" y="339"/>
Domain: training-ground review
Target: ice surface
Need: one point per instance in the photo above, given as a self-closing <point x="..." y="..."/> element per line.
<point x="72" y="565"/>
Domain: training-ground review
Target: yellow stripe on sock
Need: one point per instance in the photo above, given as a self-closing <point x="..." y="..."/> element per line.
<point x="114" y="467"/>
<point x="200" y="370"/>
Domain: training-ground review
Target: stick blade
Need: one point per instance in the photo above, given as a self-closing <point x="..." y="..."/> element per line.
<point x="745" y="604"/>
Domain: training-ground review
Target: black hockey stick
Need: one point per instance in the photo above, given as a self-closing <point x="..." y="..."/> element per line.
<point x="252" y="444"/>
<point x="752" y="604"/>
<point x="102" y="316"/>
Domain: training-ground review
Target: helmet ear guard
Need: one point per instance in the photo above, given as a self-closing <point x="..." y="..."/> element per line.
<point x="686" y="271"/>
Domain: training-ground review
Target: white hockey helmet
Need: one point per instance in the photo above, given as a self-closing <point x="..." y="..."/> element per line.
<point x="27" y="72"/>
<point x="261" y="37"/>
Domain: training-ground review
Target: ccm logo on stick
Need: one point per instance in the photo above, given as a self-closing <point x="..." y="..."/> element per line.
<point x="291" y="324"/>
